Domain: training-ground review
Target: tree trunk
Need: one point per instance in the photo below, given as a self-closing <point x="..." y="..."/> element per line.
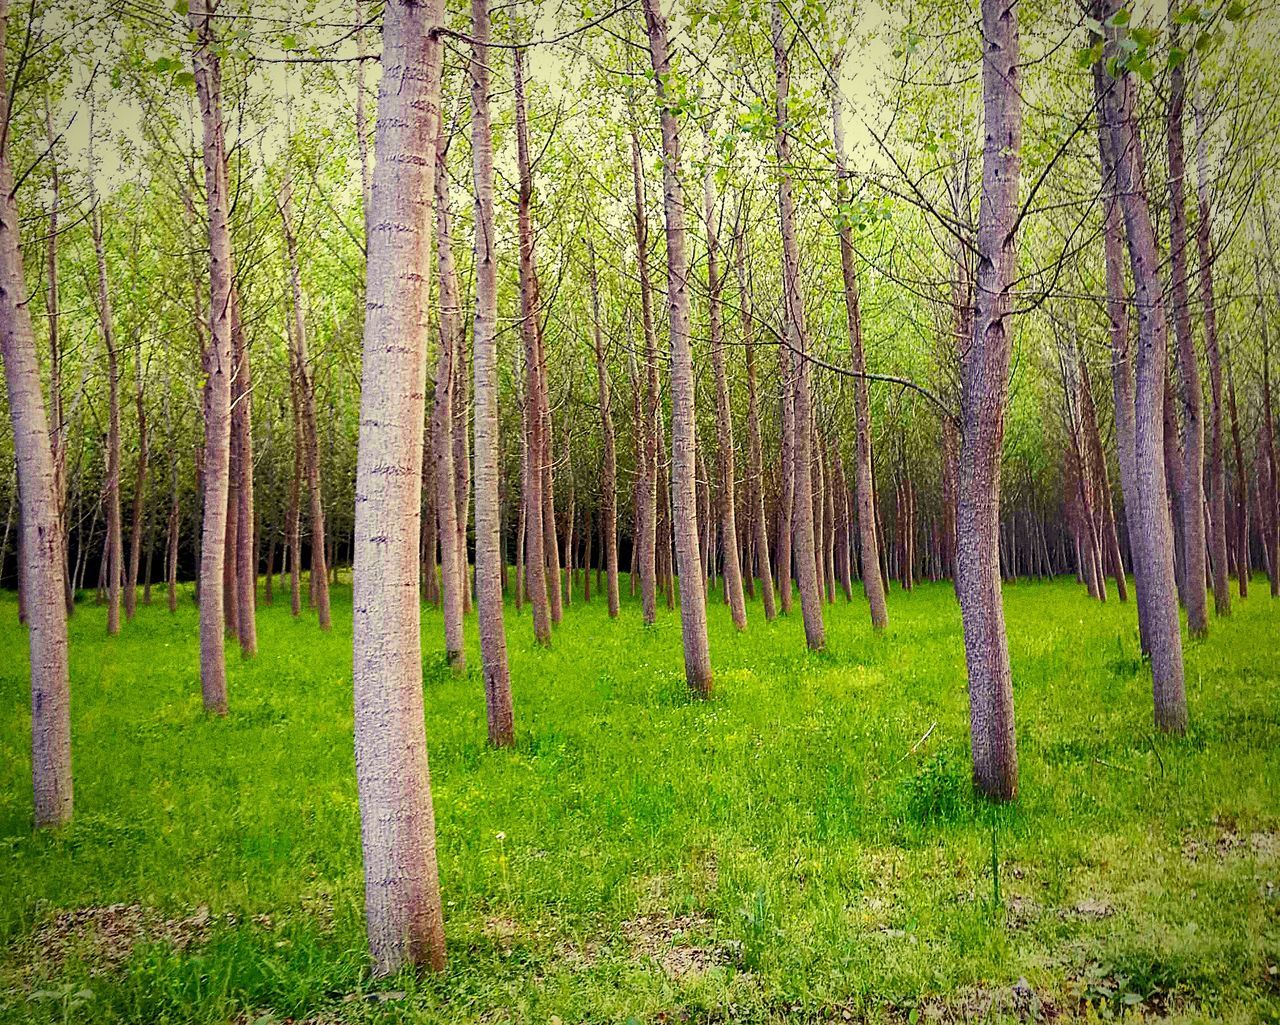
<point x="114" y="548"/>
<point x="1191" y="494"/>
<point x="648" y="424"/>
<point x="1151" y="518"/>
<point x="493" y="637"/>
<point x="246" y="549"/>
<point x="1243" y="555"/>
<point x="402" y="890"/>
<point x="308" y="437"/>
<point x="41" y="545"/>
<point x="139" y="490"/>
<point x="984" y="393"/>
<point x="693" y="610"/>
<point x="609" y="481"/>
<point x="452" y="571"/>
<point x="535" y="558"/>
<point x="755" y="458"/>
<point x="724" y="414"/>
<point x="803" y="540"/>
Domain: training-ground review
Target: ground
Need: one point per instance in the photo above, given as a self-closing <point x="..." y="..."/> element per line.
<point x="802" y="847"/>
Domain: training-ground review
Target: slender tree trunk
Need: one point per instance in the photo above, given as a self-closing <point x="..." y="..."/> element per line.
<point x="648" y="425"/>
<point x="115" y="543"/>
<point x="452" y="571"/>
<point x="213" y="672"/>
<point x="1191" y="495"/>
<point x="535" y="559"/>
<point x="755" y="459"/>
<point x="984" y="393"/>
<point x="139" y="490"/>
<point x="796" y="341"/>
<point x="306" y="403"/>
<point x="1149" y="501"/>
<point x="402" y="890"/>
<point x="872" y="585"/>
<point x="41" y="545"/>
<point x="246" y="549"/>
<point x="724" y="414"/>
<point x="1243" y="556"/>
<point x="693" y="610"/>
<point x="489" y="561"/>
<point x="609" y="481"/>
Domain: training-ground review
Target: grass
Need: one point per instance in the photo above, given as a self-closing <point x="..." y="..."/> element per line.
<point x="791" y="850"/>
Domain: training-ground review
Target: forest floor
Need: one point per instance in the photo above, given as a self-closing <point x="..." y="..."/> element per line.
<point x="803" y="847"/>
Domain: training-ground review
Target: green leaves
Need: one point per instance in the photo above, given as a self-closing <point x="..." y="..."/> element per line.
<point x="1235" y="11"/>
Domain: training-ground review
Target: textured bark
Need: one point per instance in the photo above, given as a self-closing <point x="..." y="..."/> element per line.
<point x="609" y="479"/>
<point x="1109" y="535"/>
<point x="307" y="436"/>
<point x="41" y="544"/>
<point x="872" y="585"/>
<point x="693" y="610"/>
<point x="246" y="549"/>
<point x="1191" y="493"/>
<point x="402" y="890"/>
<point x="493" y="637"/>
<point x="1217" y="458"/>
<point x="984" y="393"/>
<point x="114" y="546"/>
<point x="217" y="438"/>
<point x="1149" y="526"/>
<point x="1243" y="556"/>
<point x="755" y="459"/>
<point x="648" y="425"/>
<point x="803" y="540"/>
<point x="462" y="453"/>
<point x="535" y="558"/>
<point x="724" y="413"/>
<point x="452" y="557"/>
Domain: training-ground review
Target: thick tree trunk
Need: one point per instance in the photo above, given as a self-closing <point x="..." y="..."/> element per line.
<point x="693" y="610"/>
<point x="535" y="558"/>
<point x="984" y="392"/>
<point x="609" y="479"/>
<point x="1191" y="494"/>
<point x="489" y="561"/>
<point x="402" y="890"/>
<point x="803" y="540"/>
<point x="755" y="458"/>
<point x="1150" y="527"/>
<point x="41" y="545"/>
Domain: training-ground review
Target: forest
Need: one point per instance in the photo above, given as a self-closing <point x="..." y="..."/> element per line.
<point x="805" y="473"/>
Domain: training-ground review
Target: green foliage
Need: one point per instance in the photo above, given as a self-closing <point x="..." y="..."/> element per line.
<point x="787" y="847"/>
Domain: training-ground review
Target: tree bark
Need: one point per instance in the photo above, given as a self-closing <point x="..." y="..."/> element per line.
<point x="1191" y="495"/>
<point x="984" y="393"/>
<point x="246" y="549"/>
<point x="493" y="637"/>
<point x="41" y="544"/>
<point x="1150" y="511"/>
<point x="803" y="539"/>
<point x="648" y="425"/>
<point x="114" y="548"/>
<point x="402" y="890"/>
<point x="693" y="610"/>
<point x="535" y="558"/>
<point x="609" y="481"/>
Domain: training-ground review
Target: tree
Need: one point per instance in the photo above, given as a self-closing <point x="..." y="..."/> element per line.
<point x="693" y="610"/>
<point x="493" y="638"/>
<point x="217" y="364"/>
<point x="984" y="375"/>
<point x="609" y="480"/>
<point x="40" y="527"/>
<point x="397" y="823"/>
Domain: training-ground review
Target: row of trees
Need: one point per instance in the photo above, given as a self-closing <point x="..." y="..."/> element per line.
<point x="901" y="307"/>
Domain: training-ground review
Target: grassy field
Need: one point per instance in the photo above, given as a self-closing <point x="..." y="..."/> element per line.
<point x="792" y="850"/>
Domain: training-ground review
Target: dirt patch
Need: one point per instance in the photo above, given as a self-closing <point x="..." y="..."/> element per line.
<point x="667" y="941"/>
<point x="105" y="937"/>
<point x="1019" y="1002"/>
<point x="1262" y="846"/>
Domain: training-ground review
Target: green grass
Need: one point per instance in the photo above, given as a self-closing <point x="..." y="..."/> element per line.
<point x="785" y="851"/>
